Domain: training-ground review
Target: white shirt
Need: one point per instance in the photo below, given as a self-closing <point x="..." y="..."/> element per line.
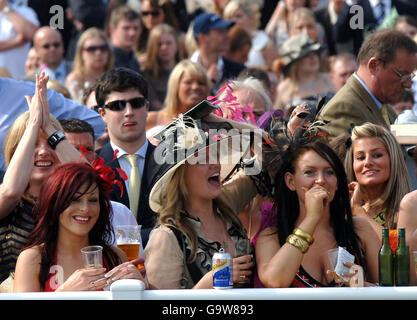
<point x="255" y="57"/>
<point x="59" y="74"/>
<point x="124" y="163"/>
<point x="14" y="59"/>
<point x="195" y="57"/>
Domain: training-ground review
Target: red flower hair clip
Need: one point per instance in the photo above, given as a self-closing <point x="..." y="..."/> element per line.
<point x="106" y="173"/>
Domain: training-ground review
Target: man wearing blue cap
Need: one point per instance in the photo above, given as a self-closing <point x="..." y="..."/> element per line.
<point x="211" y="33"/>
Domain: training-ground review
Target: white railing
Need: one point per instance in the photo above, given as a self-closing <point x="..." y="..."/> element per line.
<point x="134" y="290"/>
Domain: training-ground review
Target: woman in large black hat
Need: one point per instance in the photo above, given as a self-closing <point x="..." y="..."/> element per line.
<point x="196" y="208"/>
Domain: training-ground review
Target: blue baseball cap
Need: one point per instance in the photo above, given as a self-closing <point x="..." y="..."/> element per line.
<point x="205" y="22"/>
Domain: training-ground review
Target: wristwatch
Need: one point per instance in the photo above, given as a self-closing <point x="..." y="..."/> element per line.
<point x="56" y="138"/>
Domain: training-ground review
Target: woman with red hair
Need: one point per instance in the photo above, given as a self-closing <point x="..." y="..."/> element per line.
<point x="73" y="211"/>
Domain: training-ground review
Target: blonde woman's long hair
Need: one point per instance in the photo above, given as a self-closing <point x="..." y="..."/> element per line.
<point x="398" y="184"/>
<point x="79" y="65"/>
<point x="250" y="8"/>
<point x="185" y="66"/>
<point x="152" y="63"/>
<point x="15" y="134"/>
<point x="174" y="198"/>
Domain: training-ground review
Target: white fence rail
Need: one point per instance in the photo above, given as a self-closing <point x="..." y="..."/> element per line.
<point x="134" y="290"/>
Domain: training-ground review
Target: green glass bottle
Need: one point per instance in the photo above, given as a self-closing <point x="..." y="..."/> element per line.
<point x="386" y="261"/>
<point x="402" y="261"/>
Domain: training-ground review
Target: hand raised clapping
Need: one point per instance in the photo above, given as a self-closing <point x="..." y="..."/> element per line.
<point x="38" y="104"/>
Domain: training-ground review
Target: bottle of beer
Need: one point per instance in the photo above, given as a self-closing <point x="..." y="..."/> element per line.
<point x="386" y="261"/>
<point x="402" y="261"/>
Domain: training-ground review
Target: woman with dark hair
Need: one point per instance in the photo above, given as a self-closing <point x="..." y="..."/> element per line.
<point x="313" y="216"/>
<point x="72" y="212"/>
<point x="34" y="145"/>
<point x="153" y="13"/>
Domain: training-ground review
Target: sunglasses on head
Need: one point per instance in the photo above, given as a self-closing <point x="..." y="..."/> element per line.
<point x="101" y="48"/>
<point x="119" y="105"/>
<point x="154" y="13"/>
<point x="53" y="44"/>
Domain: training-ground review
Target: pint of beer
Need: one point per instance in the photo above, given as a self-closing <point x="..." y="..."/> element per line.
<point x="131" y="250"/>
<point x="128" y="239"/>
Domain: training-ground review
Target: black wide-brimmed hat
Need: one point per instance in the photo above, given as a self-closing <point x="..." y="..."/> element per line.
<point x="187" y="140"/>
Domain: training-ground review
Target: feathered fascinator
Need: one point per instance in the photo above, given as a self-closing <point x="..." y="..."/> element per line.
<point x="280" y="142"/>
<point x="230" y="108"/>
<point x="191" y="141"/>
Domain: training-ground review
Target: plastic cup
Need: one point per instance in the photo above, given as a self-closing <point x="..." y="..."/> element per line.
<point x="93" y="256"/>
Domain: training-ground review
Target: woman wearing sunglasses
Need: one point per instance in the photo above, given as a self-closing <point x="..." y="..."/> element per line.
<point x="153" y="13"/>
<point x="93" y="58"/>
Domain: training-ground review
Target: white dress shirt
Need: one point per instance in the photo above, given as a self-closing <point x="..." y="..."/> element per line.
<point x="124" y="163"/>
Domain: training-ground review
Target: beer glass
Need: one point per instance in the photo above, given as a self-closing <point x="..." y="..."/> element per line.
<point x="128" y="239"/>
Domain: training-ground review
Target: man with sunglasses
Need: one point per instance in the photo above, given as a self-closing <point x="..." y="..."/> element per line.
<point x="122" y="97"/>
<point x="49" y="47"/>
<point x="387" y="62"/>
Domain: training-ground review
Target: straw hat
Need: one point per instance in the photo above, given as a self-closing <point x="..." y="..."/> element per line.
<point x="297" y="47"/>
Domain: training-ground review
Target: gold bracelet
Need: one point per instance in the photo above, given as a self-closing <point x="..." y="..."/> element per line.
<point x="298" y="242"/>
<point x="306" y="236"/>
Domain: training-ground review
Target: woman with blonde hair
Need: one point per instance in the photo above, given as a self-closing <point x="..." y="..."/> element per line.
<point x="33" y="147"/>
<point x="278" y="26"/>
<point x="93" y="57"/>
<point x="162" y="54"/>
<point x="197" y="213"/>
<point x="376" y="168"/>
<point x="188" y="85"/>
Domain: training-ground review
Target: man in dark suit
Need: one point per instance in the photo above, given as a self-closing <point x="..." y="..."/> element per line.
<point x="387" y="60"/>
<point x="211" y="34"/>
<point x="122" y="95"/>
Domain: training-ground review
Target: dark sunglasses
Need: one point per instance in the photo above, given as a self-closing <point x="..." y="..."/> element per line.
<point x="54" y="44"/>
<point x="91" y="49"/>
<point x="154" y="13"/>
<point x="119" y="105"/>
